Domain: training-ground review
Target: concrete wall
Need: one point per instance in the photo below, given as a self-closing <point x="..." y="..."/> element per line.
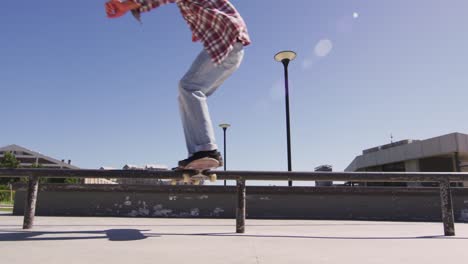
<point x="350" y="203"/>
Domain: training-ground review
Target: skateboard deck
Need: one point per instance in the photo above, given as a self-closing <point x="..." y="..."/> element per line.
<point x="198" y="171"/>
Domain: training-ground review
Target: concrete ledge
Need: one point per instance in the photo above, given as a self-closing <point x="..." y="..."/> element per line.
<point x="337" y="203"/>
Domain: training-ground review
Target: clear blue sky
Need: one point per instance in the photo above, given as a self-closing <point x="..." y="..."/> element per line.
<point x="76" y="85"/>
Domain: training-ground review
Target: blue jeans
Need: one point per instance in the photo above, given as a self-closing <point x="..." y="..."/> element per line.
<point x="201" y="81"/>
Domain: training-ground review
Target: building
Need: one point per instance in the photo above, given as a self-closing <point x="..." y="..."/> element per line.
<point x="28" y="158"/>
<point x="447" y="153"/>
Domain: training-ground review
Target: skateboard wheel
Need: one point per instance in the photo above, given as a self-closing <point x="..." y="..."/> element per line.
<point x="213" y="177"/>
<point x="196" y="182"/>
<point x="174" y="182"/>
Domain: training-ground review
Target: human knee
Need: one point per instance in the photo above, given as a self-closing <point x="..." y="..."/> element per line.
<point x="183" y="86"/>
<point x="187" y="90"/>
<point x="186" y="85"/>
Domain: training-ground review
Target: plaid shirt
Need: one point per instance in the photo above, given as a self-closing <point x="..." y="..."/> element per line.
<point x="216" y="23"/>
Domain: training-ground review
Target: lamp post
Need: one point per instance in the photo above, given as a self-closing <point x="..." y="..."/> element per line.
<point x="224" y="127"/>
<point x="285" y="57"/>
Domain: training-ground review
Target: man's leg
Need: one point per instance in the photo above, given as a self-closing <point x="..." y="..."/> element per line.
<point x="202" y="80"/>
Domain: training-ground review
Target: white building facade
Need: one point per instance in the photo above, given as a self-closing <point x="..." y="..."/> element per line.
<point x="447" y="153"/>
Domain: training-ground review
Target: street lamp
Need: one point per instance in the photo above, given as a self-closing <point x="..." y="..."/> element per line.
<point x="285" y="57"/>
<point x="224" y="127"/>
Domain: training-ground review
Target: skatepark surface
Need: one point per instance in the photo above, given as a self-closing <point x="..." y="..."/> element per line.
<point x="155" y="240"/>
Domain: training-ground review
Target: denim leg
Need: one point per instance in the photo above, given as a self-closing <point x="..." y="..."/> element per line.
<point x="202" y="80"/>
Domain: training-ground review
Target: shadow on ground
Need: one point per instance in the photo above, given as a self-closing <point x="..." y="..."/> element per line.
<point x="111" y="234"/>
<point x="307" y="237"/>
<point x="135" y="234"/>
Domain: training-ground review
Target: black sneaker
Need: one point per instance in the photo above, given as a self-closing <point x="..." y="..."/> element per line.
<point x="214" y="154"/>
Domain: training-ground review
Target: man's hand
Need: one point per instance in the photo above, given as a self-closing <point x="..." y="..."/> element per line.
<point x="115" y="8"/>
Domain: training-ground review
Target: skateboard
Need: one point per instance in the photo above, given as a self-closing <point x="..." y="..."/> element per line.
<point x="198" y="171"/>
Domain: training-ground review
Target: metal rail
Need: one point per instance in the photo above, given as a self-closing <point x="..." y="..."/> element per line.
<point x="248" y="175"/>
<point x="241" y="177"/>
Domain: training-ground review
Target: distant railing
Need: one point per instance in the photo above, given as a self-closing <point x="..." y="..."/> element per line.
<point x="443" y="179"/>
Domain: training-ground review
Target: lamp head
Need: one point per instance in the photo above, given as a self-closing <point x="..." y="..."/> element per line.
<point x="224" y="126"/>
<point x="286" y="55"/>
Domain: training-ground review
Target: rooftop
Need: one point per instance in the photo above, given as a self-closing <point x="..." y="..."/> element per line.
<point x="411" y="150"/>
<point x="28" y="157"/>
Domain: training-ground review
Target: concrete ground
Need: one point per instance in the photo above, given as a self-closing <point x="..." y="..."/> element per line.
<point x="145" y="240"/>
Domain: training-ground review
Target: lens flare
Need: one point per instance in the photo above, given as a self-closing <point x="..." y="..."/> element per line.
<point x="323" y="48"/>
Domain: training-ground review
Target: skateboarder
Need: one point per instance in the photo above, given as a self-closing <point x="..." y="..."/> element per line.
<point x="223" y="33"/>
